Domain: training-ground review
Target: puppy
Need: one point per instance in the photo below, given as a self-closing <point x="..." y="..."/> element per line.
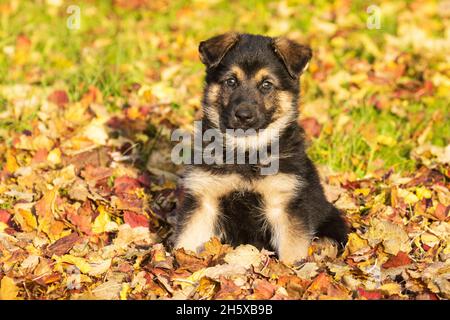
<point x="252" y="82"/>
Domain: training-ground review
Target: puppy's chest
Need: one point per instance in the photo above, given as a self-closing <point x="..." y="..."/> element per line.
<point x="206" y="186"/>
<point x="241" y="220"/>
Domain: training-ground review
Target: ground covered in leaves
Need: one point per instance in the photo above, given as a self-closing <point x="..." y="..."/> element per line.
<point x="88" y="194"/>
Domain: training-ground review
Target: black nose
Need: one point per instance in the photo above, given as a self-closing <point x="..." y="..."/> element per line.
<point x="245" y="113"/>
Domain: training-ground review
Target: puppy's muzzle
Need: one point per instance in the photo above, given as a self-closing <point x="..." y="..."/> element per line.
<point x="244" y="116"/>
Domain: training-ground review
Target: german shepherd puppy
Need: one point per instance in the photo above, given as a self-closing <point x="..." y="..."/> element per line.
<point x="252" y="81"/>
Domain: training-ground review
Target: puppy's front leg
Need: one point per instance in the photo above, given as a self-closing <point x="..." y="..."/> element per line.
<point x="290" y="235"/>
<point x="198" y="225"/>
<point x="199" y="217"/>
<point x="290" y="238"/>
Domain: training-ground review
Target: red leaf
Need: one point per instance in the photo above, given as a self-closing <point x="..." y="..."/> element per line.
<point x="370" y="295"/>
<point x="4" y="216"/>
<point x="22" y="41"/>
<point x="145" y="180"/>
<point x="135" y="220"/>
<point x="59" y="97"/>
<point x="401" y="259"/>
<point x="125" y="184"/>
<point x="312" y="127"/>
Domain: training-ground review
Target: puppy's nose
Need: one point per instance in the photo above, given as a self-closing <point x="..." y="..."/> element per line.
<point x="245" y="114"/>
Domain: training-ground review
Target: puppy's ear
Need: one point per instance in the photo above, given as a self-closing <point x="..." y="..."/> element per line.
<point x="214" y="49"/>
<point x="294" y="56"/>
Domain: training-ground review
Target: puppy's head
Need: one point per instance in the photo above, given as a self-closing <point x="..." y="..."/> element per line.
<point x="252" y="80"/>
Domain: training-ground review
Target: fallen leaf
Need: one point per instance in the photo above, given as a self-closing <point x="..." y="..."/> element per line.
<point x="103" y="222"/>
<point x="59" y="97"/>
<point x="8" y="289"/>
<point x="245" y="256"/>
<point x="135" y="220"/>
<point x="63" y="245"/>
<point x="401" y="259"/>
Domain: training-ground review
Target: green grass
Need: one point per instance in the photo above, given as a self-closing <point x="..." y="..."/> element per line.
<point x="116" y="47"/>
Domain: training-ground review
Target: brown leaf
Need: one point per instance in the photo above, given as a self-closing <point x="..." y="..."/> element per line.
<point x="294" y="285"/>
<point x="189" y="261"/>
<point x="262" y="290"/>
<point x="48" y="279"/>
<point x="94" y="158"/>
<point x="82" y="218"/>
<point x="441" y="211"/>
<point x="215" y="249"/>
<point x="63" y="245"/>
<point x="228" y="290"/>
<point x="128" y="201"/>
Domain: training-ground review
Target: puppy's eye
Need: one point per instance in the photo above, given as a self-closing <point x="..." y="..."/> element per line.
<point x="266" y="85"/>
<point x="231" y="82"/>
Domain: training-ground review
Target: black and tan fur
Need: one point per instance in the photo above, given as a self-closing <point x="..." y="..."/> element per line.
<point x="280" y="212"/>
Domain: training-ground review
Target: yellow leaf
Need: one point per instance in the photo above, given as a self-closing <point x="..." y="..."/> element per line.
<point x="76" y="113"/>
<point x="356" y="243"/>
<point x="393" y="236"/>
<point x="206" y="288"/>
<point x="11" y="163"/>
<point x="429" y="239"/>
<point x="423" y="192"/>
<point x="386" y="140"/>
<point x="391" y="288"/>
<point x="103" y="222"/>
<point x="159" y="256"/>
<point x="363" y="191"/>
<point x="8" y="289"/>
<point x="26" y="220"/>
<point x="408" y="197"/>
<point x="124" y="291"/>
<point x="3" y="226"/>
<point x="133" y="113"/>
<point x="80" y="263"/>
<point x="42" y="142"/>
<point x="54" y="156"/>
<point x="96" y="132"/>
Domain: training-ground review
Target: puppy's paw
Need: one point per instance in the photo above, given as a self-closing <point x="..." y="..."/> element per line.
<point x="294" y="256"/>
<point x="323" y="248"/>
